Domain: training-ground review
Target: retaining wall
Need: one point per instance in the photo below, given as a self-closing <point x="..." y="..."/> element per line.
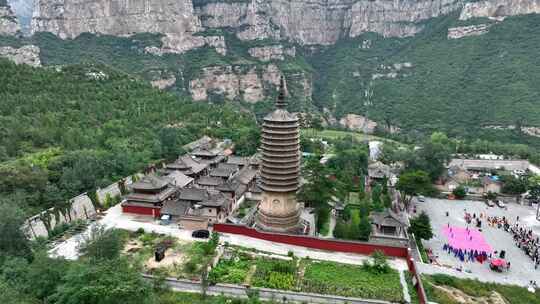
<point x="81" y="208"/>
<point x="264" y="293"/>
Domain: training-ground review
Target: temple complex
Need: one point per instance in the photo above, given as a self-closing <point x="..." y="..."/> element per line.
<point x="149" y="194"/>
<point x="280" y="145"/>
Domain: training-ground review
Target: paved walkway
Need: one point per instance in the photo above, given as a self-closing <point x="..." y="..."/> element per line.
<point x="114" y="218"/>
<point x="303" y="252"/>
<point x="521" y="270"/>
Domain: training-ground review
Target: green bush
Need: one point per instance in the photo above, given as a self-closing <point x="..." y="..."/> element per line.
<point x="460" y="192"/>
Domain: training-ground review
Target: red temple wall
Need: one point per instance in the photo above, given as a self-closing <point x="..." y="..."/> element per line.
<point x="313" y="242"/>
<point x="153" y="211"/>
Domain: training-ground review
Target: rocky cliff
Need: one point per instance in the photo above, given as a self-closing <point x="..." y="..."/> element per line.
<point x="10" y="26"/>
<point x="28" y="54"/>
<point x="499" y="8"/>
<point x="8" y="21"/>
<point x="305" y="22"/>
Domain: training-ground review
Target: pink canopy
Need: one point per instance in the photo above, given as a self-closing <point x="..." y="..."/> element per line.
<point x="498" y="262"/>
<point x="464" y="239"/>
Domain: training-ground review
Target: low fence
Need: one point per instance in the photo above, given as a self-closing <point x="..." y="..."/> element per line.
<point x="314" y="242"/>
<point x="265" y="294"/>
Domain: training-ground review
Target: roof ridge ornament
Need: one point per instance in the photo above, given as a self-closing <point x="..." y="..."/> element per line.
<point x="280" y="102"/>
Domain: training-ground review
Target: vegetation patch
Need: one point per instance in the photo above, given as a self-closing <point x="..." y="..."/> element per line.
<point x="351" y="281"/>
<point x="473" y="288"/>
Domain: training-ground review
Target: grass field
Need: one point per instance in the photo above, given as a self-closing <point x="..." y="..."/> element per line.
<point x="351" y="281"/>
<point x="307" y="275"/>
<point x="335" y="134"/>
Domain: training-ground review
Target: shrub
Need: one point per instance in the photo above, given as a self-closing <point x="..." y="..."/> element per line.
<point x="460" y="192"/>
<point x="421" y="227"/>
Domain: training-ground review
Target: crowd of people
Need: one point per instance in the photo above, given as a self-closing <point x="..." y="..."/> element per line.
<point x="467" y="255"/>
<point x="523" y="237"/>
<point x="527" y="241"/>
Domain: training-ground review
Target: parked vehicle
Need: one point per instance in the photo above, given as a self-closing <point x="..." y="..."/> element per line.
<point x="490" y="203"/>
<point x="201" y="234"/>
<point x="421" y="198"/>
<point x="501" y="204"/>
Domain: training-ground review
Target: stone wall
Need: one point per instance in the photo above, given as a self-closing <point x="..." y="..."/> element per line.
<point x="81" y="209"/>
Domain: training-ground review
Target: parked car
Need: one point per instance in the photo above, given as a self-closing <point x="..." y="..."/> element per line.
<point x="490" y="203"/>
<point x="421" y="198"/>
<point x="201" y="234"/>
<point x="501" y="204"/>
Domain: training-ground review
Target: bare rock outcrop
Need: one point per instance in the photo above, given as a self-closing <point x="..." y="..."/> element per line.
<point x="465" y="31"/>
<point x="175" y="19"/>
<point x="28" y="54"/>
<point x="164" y="83"/>
<point x="499" y="9"/>
<point x="390" y="71"/>
<point x="9" y="25"/>
<point x="272" y="52"/>
<point x="357" y="122"/>
<point x="233" y="82"/>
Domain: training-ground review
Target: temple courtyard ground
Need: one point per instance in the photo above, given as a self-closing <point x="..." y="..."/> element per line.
<point x="522" y="268"/>
<point x="114" y="218"/>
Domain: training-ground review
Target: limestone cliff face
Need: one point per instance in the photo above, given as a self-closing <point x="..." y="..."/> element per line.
<point x="234" y="82"/>
<point x="499" y="8"/>
<point x="28" y="54"/>
<point x="9" y="25"/>
<point x="173" y="18"/>
<point x="309" y="22"/>
<point x="306" y="22"/>
<point x="272" y="52"/>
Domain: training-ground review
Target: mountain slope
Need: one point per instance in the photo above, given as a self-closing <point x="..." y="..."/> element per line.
<point x="66" y="132"/>
<point x="471" y="71"/>
<point x="452" y="84"/>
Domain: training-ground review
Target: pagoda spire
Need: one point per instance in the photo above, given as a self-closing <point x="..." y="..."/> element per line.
<point x="280" y="102"/>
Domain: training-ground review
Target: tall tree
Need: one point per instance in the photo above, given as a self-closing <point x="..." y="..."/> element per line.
<point x="13" y="241"/>
<point x="514" y="186"/>
<point x="413" y="183"/>
<point x="318" y="188"/>
<point x="102" y="243"/>
<point x="421" y="226"/>
<point x="104" y="282"/>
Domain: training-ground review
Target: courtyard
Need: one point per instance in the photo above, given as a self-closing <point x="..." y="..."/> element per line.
<point x="522" y="268"/>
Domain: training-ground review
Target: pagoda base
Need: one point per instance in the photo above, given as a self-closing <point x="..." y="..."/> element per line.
<point x="279" y="212"/>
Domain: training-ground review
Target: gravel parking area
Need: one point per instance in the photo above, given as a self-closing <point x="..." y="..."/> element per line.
<point x="522" y="268"/>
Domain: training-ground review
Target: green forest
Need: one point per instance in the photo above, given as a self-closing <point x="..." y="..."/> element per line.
<point x="89" y="118"/>
<point x="458" y="86"/>
<point x="70" y="130"/>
